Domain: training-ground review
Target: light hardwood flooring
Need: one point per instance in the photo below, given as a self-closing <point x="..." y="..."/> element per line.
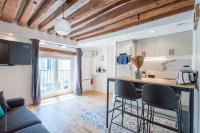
<point x="62" y="114"/>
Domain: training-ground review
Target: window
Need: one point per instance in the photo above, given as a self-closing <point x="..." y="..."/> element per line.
<point x="54" y="75"/>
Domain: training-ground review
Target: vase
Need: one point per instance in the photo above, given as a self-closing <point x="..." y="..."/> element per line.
<point x="138" y="74"/>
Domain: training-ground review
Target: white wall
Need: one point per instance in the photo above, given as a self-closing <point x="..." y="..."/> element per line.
<point x="100" y="79"/>
<point x="87" y="69"/>
<point x="15" y="81"/>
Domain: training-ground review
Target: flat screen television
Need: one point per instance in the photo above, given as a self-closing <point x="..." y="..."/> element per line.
<point x="14" y="53"/>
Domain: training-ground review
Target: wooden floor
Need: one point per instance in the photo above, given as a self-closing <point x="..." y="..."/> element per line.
<point x="62" y="114"/>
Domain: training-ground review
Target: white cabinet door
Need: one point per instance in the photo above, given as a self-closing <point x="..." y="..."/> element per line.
<point x="162" y="46"/>
<point x="124" y="47"/>
<point x="181" y="43"/>
<point x="169" y="45"/>
<point x="145" y="47"/>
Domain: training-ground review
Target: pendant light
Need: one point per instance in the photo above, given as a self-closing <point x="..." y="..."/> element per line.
<point x="62" y="26"/>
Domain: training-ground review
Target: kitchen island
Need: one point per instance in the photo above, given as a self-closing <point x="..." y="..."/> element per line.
<point x="139" y="83"/>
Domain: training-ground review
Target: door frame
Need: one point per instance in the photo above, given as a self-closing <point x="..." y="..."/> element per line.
<point x="72" y="78"/>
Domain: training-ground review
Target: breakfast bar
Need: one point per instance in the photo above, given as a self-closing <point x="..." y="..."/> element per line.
<point x="139" y="83"/>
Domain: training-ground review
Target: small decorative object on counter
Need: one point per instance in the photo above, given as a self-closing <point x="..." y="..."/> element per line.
<point x="138" y="62"/>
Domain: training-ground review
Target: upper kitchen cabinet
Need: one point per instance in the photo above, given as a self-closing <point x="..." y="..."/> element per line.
<point x="163" y="46"/>
<point x="145" y="47"/>
<point x="125" y="47"/>
<point x="179" y="44"/>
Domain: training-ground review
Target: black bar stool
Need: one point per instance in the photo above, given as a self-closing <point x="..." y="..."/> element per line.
<point x="125" y="91"/>
<point x="162" y="97"/>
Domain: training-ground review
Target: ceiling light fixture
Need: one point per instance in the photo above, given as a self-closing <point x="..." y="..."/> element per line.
<point x="62" y="26"/>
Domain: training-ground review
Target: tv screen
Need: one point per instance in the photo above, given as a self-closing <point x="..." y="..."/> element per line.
<point x="15" y="53"/>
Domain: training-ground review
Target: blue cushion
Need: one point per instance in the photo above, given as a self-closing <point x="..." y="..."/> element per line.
<point x="1" y="112"/>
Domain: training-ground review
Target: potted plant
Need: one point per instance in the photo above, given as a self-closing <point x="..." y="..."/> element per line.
<point x="138" y="62"/>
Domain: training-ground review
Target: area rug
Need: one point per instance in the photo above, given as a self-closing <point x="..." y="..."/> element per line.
<point x="97" y="119"/>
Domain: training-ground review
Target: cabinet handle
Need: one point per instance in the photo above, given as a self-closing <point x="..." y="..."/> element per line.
<point x="143" y="53"/>
<point x="169" y="51"/>
<point x="172" y="51"/>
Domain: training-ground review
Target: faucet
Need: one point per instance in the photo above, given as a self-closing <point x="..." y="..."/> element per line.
<point x="164" y="64"/>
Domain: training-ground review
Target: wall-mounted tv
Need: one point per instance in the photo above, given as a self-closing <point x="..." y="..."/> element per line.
<point x="14" y="53"/>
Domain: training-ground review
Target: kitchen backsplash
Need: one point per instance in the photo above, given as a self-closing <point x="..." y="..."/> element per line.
<point x="170" y="70"/>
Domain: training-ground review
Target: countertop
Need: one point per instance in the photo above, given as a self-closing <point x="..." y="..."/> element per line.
<point x="167" y="82"/>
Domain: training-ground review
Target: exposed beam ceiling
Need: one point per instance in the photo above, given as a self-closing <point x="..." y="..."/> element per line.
<point x="93" y="9"/>
<point x="28" y="11"/>
<point x="47" y="8"/>
<point x="10" y="9"/>
<point x="126" y="10"/>
<point x="69" y="7"/>
<point x="158" y="13"/>
<point x="89" y="18"/>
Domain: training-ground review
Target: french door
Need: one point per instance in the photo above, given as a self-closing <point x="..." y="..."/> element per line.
<point x="54" y="76"/>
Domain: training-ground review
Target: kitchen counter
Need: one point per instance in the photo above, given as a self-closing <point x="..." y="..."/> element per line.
<point x="160" y="81"/>
<point x="139" y="83"/>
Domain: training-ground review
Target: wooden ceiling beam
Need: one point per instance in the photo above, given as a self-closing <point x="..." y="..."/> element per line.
<point x="30" y="8"/>
<point x="46" y="8"/>
<point x="154" y="14"/>
<point x="69" y="7"/>
<point x="2" y="2"/>
<point x="118" y="14"/>
<point x="196" y="16"/>
<point x="92" y="4"/>
<point x="93" y="9"/>
<point x="10" y="9"/>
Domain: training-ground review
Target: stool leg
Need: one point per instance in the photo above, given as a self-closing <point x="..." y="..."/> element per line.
<point x="181" y="116"/>
<point x="148" y="115"/>
<point x="112" y="114"/>
<point x="138" y="130"/>
<point x="143" y="122"/>
<point x="178" y="119"/>
<point x="131" y="107"/>
<point x="151" y="118"/>
<point x="122" y="112"/>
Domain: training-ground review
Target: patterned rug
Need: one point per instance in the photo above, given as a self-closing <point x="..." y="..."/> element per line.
<point x="97" y="119"/>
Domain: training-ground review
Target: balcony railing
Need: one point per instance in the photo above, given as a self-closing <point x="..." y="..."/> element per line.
<point x="51" y="80"/>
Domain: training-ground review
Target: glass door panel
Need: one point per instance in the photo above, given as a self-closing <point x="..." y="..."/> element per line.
<point x="54" y="75"/>
<point x="47" y="74"/>
<point x="64" y="74"/>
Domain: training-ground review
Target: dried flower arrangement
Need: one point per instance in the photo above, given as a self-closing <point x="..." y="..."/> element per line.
<point x="137" y="61"/>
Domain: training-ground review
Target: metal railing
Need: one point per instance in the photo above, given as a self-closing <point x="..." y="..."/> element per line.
<point x="52" y="80"/>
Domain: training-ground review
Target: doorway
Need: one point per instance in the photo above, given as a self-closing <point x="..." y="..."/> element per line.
<point x="55" y="76"/>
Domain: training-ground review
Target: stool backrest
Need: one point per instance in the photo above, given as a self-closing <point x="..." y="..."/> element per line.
<point x="160" y="96"/>
<point x="126" y="90"/>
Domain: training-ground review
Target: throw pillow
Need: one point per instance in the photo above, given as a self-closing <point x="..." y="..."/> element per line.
<point x="1" y="112"/>
<point x="3" y="102"/>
